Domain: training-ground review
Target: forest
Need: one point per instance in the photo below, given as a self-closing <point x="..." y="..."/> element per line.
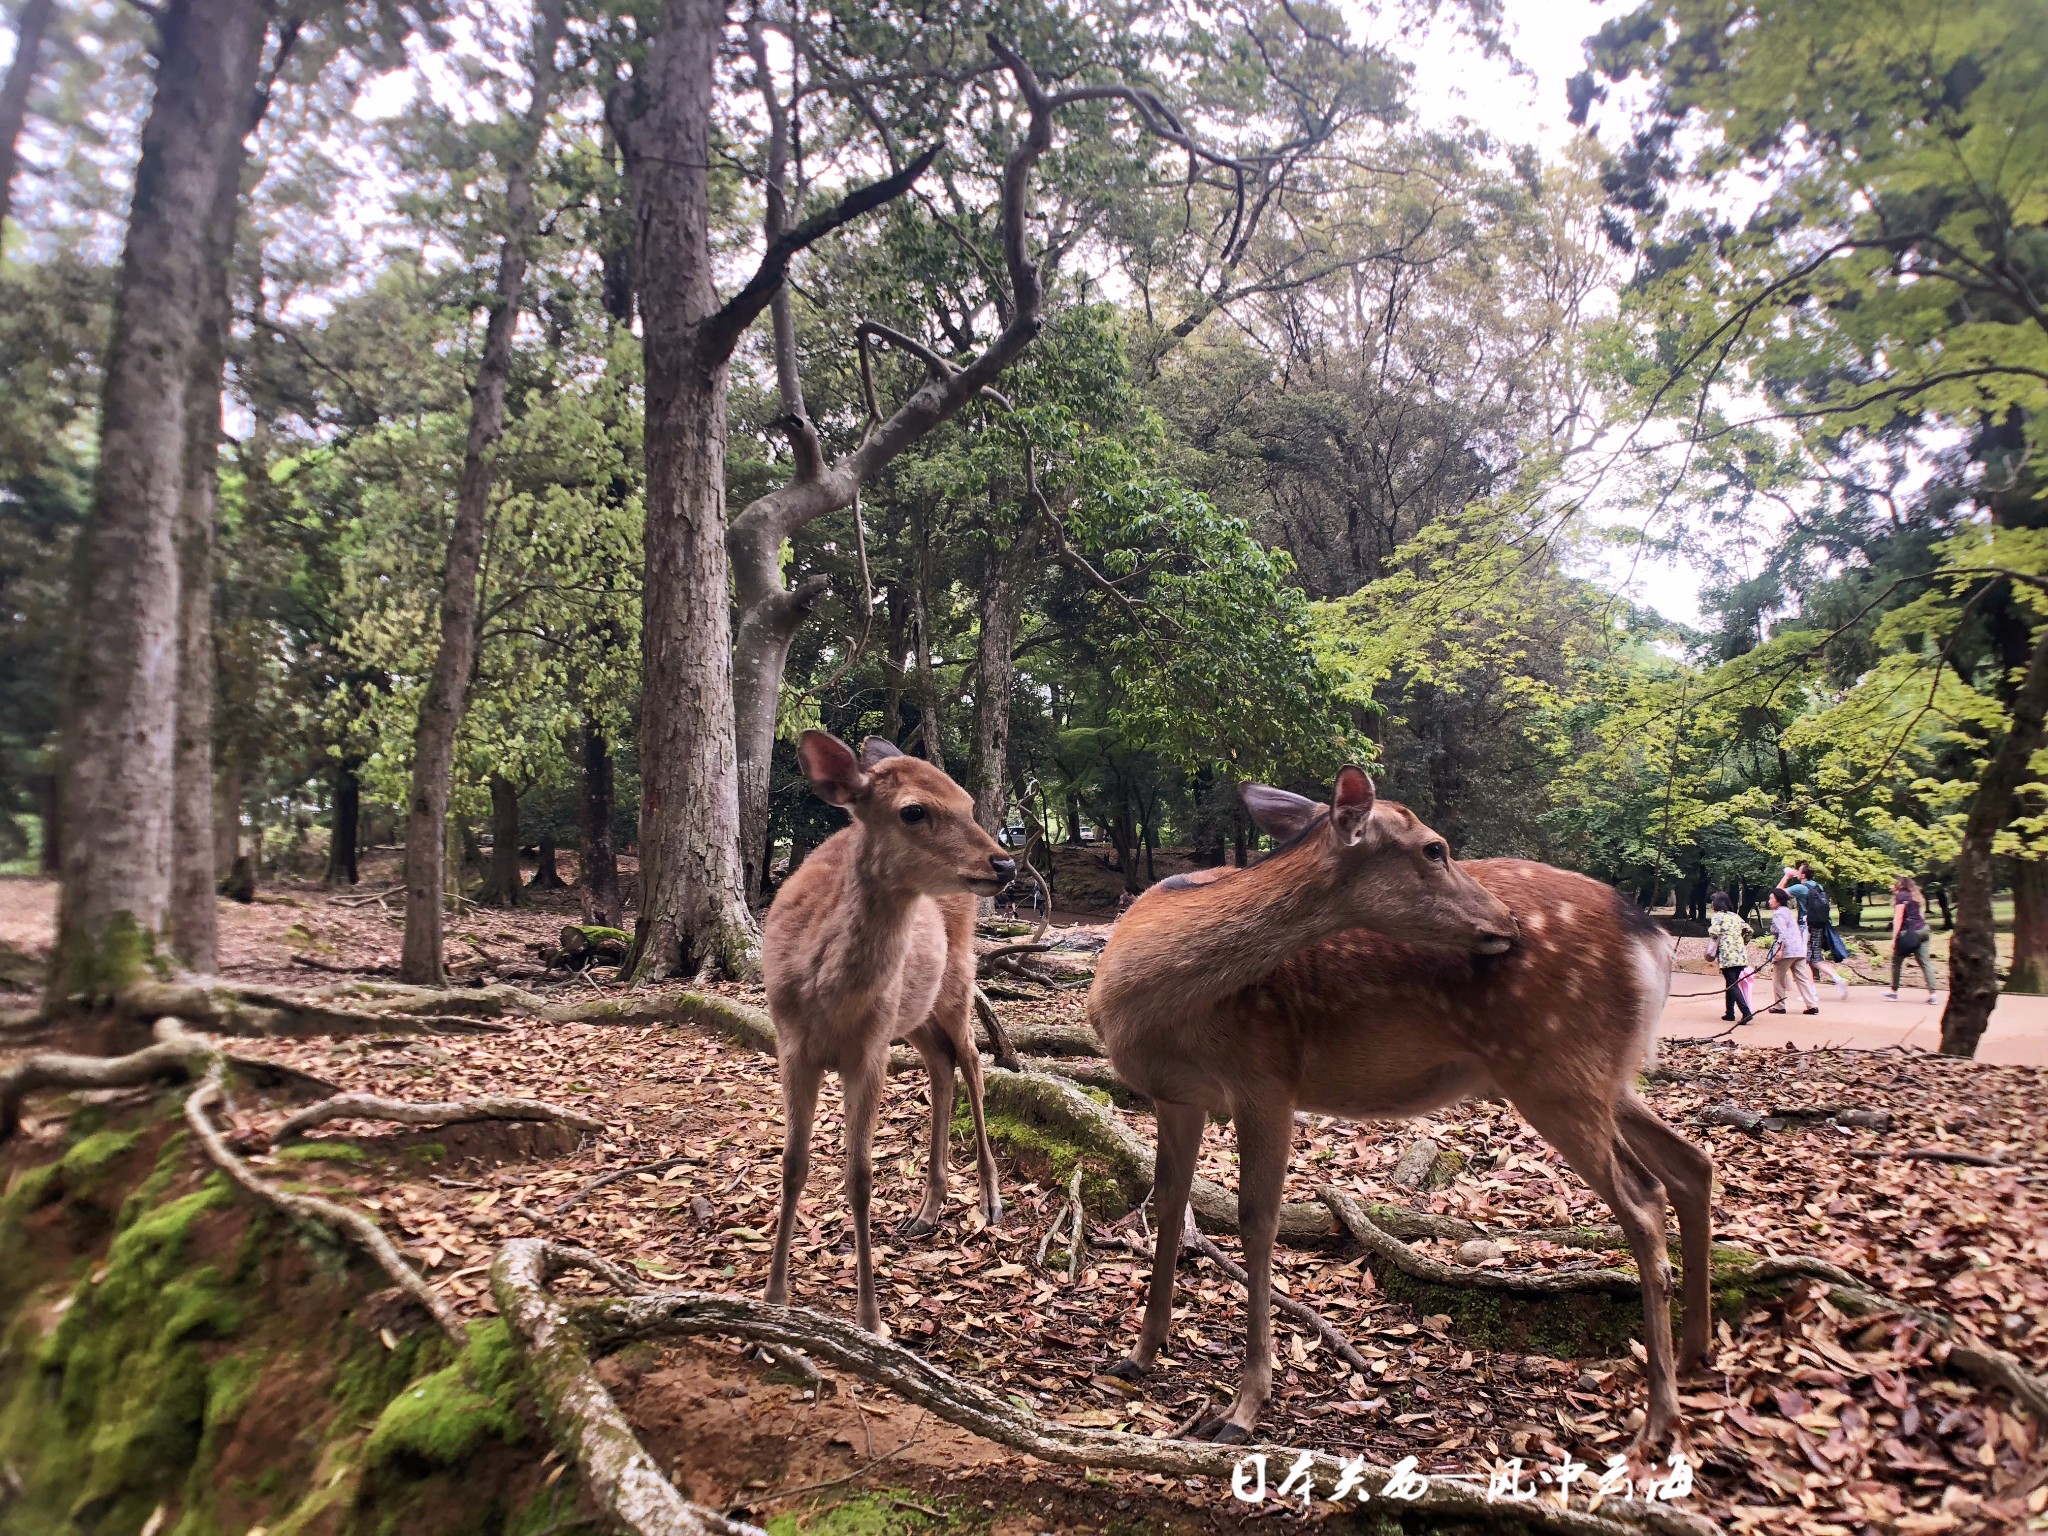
<point x="457" y="461"/>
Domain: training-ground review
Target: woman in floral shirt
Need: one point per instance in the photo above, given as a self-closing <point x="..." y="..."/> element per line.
<point x="1727" y="943"/>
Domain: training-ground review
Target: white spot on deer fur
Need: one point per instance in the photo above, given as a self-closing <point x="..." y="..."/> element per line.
<point x="1533" y="923"/>
<point x="1564" y="911"/>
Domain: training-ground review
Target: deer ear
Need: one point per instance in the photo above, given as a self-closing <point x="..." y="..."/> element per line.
<point x="1351" y="804"/>
<point x="875" y="748"/>
<point x="831" y="767"/>
<point x="1275" y="812"/>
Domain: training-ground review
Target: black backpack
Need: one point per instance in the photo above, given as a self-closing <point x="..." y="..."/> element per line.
<point x="1816" y="905"/>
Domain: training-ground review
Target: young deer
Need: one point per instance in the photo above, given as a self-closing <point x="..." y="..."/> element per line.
<point x="1359" y="971"/>
<point x="869" y="942"/>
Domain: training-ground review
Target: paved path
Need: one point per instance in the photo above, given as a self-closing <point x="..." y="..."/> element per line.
<point x="2018" y="1034"/>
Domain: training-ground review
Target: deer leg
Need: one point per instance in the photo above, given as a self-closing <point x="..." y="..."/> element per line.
<point x="799" y="1107"/>
<point x="1265" y="1134"/>
<point x="984" y="1153"/>
<point x="937" y="1052"/>
<point x="1592" y="1143"/>
<point x="863" y="1099"/>
<point x="1173" y="1172"/>
<point x="1687" y="1175"/>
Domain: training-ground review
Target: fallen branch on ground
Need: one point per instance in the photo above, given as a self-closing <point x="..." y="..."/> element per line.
<point x="604" y="1179"/>
<point x="519" y="1282"/>
<point x="1931" y="1155"/>
<point x="992" y="1025"/>
<point x="232" y="1008"/>
<point x="363" y="1106"/>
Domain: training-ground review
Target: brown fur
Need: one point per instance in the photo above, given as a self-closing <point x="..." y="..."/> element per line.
<point x="871" y="941"/>
<point x="1367" y="1025"/>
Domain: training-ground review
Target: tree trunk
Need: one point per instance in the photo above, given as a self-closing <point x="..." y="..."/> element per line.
<point x="545" y="876"/>
<point x="227" y="814"/>
<point x="892" y="664"/>
<point x="1939" y="891"/>
<point x="2029" y="972"/>
<point x="1973" y="951"/>
<point x="346" y="837"/>
<point x="120" y="719"/>
<point x="693" y="910"/>
<point x="501" y="882"/>
<point x="448" y="687"/>
<point x="760" y="654"/>
<point x="194" y="875"/>
<point x="995" y="677"/>
<point x="931" y="739"/>
<point x="51" y="856"/>
<point x="599" y="860"/>
<point x="1073" y="821"/>
<point x="31" y="22"/>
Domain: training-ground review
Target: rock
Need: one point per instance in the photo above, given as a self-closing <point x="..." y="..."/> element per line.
<point x="1417" y="1162"/>
<point x="1479" y="1252"/>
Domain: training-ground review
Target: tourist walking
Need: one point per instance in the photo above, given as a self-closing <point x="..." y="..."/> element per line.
<point x="1911" y="938"/>
<point x="1817" y="916"/>
<point x="1789" y="970"/>
<point x="1728" y="944"/>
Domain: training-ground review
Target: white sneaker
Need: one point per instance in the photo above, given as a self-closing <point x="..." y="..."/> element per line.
<point x="1930" y="999"/>
<point x="1893" y="996"/>
<point x="1841" y="988"/>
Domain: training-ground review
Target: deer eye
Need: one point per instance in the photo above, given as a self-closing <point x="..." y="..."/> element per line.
<point x="912" y="814"/>
<point x="1436" y="853"/>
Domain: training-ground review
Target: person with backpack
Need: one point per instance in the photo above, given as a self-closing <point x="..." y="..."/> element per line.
<point x="1816" y="915"/>
<point x="1911" y="937"/>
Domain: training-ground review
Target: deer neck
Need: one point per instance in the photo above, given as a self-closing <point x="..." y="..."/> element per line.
<point x="1242" y="928"/>
<point x="876" y="916"/>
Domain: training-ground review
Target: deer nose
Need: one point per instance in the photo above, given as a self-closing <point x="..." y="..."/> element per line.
<point x="1005" y="868"/>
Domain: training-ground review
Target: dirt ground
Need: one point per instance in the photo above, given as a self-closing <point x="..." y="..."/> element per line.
<point x="1808" y="1422"/>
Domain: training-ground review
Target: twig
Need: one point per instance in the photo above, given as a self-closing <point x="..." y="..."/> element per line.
<point x="613" y="1177"/>
<point x="1931" y="1155"/>
<point x="1080" y="1237"/>
<point x="1300" y="1311"/>
<point x="999" y="1037"/>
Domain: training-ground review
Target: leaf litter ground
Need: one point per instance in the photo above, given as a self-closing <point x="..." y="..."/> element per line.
<point x="1807" y="1422"/>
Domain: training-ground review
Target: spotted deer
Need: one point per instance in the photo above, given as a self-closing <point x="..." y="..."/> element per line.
<point x="1359" y="970"/>
<point x="871" y="941"/>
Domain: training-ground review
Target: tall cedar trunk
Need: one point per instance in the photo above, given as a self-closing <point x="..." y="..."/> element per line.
<point x="599" y="860"/>
<point x="995" y="677"/>
<point x="448" y="687"/>
<point x="194" y="875"/>
<point x="31" y="22"/>
<point x="2029" y="972"/>
<point x="347" y="833"/>
<point x="693" y="910"/>
<point x="501" y="885"/>
<point x="120" y="719"/>
<point x="1973" y="951"/>
<point x="760" y="653"/>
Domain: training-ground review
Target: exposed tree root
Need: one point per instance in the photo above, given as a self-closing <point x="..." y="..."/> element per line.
<point x="519" y="1282"/>
<point x="1383" y="1245"/>
<point x="312" y="1211"/>
<point x="175" y="1056"/>
<point x="363" y="1106"/>
<point x="580" y="1413"/>
<point x="232" y="1008"/>
<point x="998" y="1037"/>
<point x="1300" y="1311"/>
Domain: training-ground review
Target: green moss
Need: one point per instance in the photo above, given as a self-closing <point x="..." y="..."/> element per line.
<point x="30" y="1189"/>
<point x="1038" y="1148"/>
<point x="866" y="1514"/>
<point x="439" y="1420"/>
<point x="108" y="962"/>
<point x="91" y="1156"/>
<point x="426" y="1152"/>
<point x="321" y="1152"/>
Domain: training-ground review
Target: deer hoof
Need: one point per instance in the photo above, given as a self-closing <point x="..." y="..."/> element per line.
<point x="1127" y="1369"/>
<point x="1220" y="1432"/>
<point x="992" y="1211"/>
<point x="919" y="1225"/>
